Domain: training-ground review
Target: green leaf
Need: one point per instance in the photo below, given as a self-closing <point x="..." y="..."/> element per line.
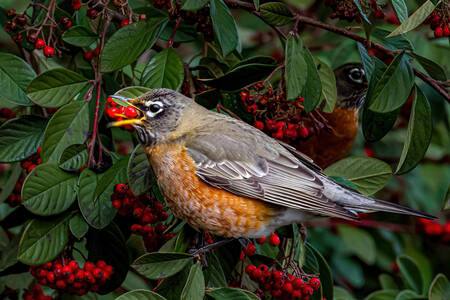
<point x="439" y="288"/>
<point x="232" y="293"/>
<point x="329" y="90"/>
<point x="20" y="138"/>
<point x="165" y="70"/>
<point x="387" y="282"/>
<point x="367" y="61"/>
<point x="140" y="176"/>
<point x="68" y="126"/>
<point x="361" y="12"/>
<point x="161" y="265"/>
<point x="140" y="295"/>
<point x="359" y="242"/>
<point x="432" y="68"/>
<point x="415" y="19"/>
<point x="43" y="240"/>
<point x="48" y="190"/>
<point x="399" y="42"/>
<point x="313" y="86"/>
<point x="195" y="284"/>
<point x="418" y="136"/>
<point x="342" y="294"/>
<point x="382" y="295"/>
<point x="79" y="36"/>
<point x="117" y="52"/>
<point x="296" y="67"/>
<point x="394" y="86"/>
<point x="256" y="4"/>
<point x="193" y="5"/>
<point x="276" y="13"/>
<point x="410" y="272"/>
<point x="56" y="87"/>
<point x="116" y="174"/>
<point x="78" y="227"/>
<point x="15" y="75"/>
<point x="214" y="272"/>
<point x="326" y="279"/>
<point x="224" y="26"/>
<point x="400" y="10"/>
<point x="408" y="295"/>
<point x="9" y="185"/>
<point x="74" y="158"/>
<point x="130" y="92"/>
<point x="369" y="175"/>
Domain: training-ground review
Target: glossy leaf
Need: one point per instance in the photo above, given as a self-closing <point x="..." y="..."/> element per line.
<point x="296" y="67"/>
<point x="78" y="226"/>
<point x="79" y="36"/>
<point x="224" y="26"/>
<point x="15" y="75"/>
<point x="194" y="287"/>
<point x="276" y="13"/>
<point x="401" y="10"/>
<point x="43" y="240"/>
<point x="232" y="293"/>
<point x="9" y="185"/>
<point x="161" y="265"/>
<point x="369" y="175"/>
<point x="165" y="70"/>
<point x="432" y="68"/>
<point x="313" y="86"/>
<point x="20" y="137"/>
<point x="398" y="42"/>
<point x="418" y="135"/>
<point x="56" y="87"/>
<point x="326" y="279"/>
<point x="439" y="288"/>
<point x="140" y="295"/>
<point x="117" y="52"/>
<point x="74" y="158"/>
<point x="139" y="171"/>
<point x="48" y="190"/>
<point x="68" y="126"/>
<point x="214" y="274"/>
<point x="193" y="5"/>
<point x="394" y="86"/>
<point x="410" y="272"/>
<point x="382" y="295"/>
<point x="329" y="90"/>
<point x="387" y="282"/>
<point x="360" y="242"/>
<point x="130" y="92"/>
<point x="415" y="19"/>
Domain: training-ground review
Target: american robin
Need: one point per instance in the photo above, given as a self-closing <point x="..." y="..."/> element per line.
<point x="336" y="140"/>
<point x="222" y="175"/>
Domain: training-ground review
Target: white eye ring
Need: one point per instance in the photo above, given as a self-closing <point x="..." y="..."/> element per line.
<point x="153" y="108"/>
<point x="358" y="80"/>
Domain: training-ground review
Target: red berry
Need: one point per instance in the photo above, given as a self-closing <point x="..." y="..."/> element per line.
<point x="315" y="283"/>
<point x="91" y="13"/>
<point x="259" y="125"/>
<point x="307" y="290"/>
<point x="70" y="279"/>
<point x="73" y="264"/>
<point x="98" y="273"/>
<point x="101" y="264"/>
<point x="249" y="269"/>
<point x="256" y="274"/>
<point x="263" y="267"/>
<point x="446" y="30"/>
<point x="48" y="265"/>
<point x="297" y="294"/>
<point x="142" y="17"/>
<point x="96" y="51"/>
<point x="278" y="135"/>
<point x="379" y="14"/>
<point x="88" y="55"/>
<point x="130" y="112"/>
<point x="11" y="13"/>
<point x="60" y="284"/>
<point x="287" y="287"/>
<point x="277" y="275"/>
<point x="250" y="250"/>
<point x="40" y="43"/>
<point x="67" y="271"/>
<point x="124" y="23"/>
<point x="112" y="112"/>
<point x="51" y="277"/>
<point x="49" y="51"/>
<point x="261" y="240"/>
<point x="76" y="5"/>
<point x="438" y="32"/>
<point x="31" y="168"/>
<point x="79" y="276"/>
<point x="274" y="239"/>
<point x="277" y="293"/>
<point x="304" y="132"/>
<point x="110" y="100"/>
<point x="117" y="204"/>
<point x="252" y="108"/>
<point x="88" y="266"/>
<point x="22" y="20"/>
<point x="136" y="228"/>
<point x="88" y="277"/>
<point x="242" y="255"/>
<point x="297" y="283"/>
<point x="121" y="188"/>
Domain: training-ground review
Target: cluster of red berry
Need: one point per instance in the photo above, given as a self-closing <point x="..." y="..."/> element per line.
<point x="347" y="10"/>
<point x="148" y="212"/>
<point x="439" y="21"/>
<point x="282" y="285"/>
<point x="35" y="293"/>
<point x="275" y="115"/>
<point x="250" y="250"/>
<point x="435" y="229"/>
<point x="118" y="113"/>
<point x="67" y="276"/>
<point x="7" y="114"/>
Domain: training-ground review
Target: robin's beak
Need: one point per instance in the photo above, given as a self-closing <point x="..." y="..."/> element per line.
<point x="124" y="101"/>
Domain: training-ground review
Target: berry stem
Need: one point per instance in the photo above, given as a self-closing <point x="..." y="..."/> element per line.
<point x="172" y="36"/>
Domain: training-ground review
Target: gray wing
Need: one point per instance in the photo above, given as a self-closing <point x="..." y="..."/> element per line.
<point x="256" y="166"/>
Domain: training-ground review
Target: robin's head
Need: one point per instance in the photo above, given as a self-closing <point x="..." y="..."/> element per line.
<point x="351" y="85"/>
<point x="159" y="113"/>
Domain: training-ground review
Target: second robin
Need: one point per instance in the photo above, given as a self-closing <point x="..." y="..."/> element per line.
<point x="227" y="177"/>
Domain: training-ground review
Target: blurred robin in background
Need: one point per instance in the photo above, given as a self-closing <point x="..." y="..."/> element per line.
<point x="224" y="176"/>
<point x="336" y="140"/>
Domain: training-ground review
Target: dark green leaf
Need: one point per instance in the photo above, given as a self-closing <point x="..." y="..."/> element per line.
<point x="8" y="253"/>
<point x="165" y="70"/>
<point x="342" y="294"/>
<point x="139" y="171"/>
<point x="193" y="5"/>
<point x="20" y="138"/>
<point x="399" y="42"/>
<point x="361" y="12"/>
<point x="313" y="86"/>
<point x="368" y="174"/>
<point x="439" y="288"/>
<point x="48" y="190"/>
<point x="394" y="87"/>
<point x="161" y="265"/>
<point x="116" y="174"/>
<point x="329" y="90"/>
<point x="130" y="92"/>
<point x="140" y="295"/>
<point x="117" y="52"/>
<point x="208" y="99"/>
<point x="400" y="10"/>
<point x="276" y="13"/>
<point x="214" y="272"/>
<point x="224" y="26"/>
<point x="367" y="61"/>
<point x="15" y="75"/>
<point x="360" y="242"/>
<point x="256" y="4"/>
<point x="324" y="271"/>
<point x="8" y="187"/>
<point x="42" y="240"/>
<point x="418" y="136"/>
<point x="415" y="19"/>
<point x="432" y="68"/>
<point x="56" y="87"/>
<point x="409" y="295"/>
<point x="79" y="36"/>
<point x="171" y="287"/>
<point x="78" y="227"/>
<point x="410" y="272"/>
<point x="195" y="284"/>
<point x="231" y="293"/>
<point x="73" y="158"/>
<point x="382" y="295"/>
<point x="296" y="67"/>
<point x="387" y="282"/>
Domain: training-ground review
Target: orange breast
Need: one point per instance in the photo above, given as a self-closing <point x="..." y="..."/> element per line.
<point x="198" y="203"/>
<point x="329" y="147"/>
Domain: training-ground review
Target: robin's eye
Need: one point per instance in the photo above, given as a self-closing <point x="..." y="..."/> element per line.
<point x="154" y="108"/>
<point x="356" y="75"/>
